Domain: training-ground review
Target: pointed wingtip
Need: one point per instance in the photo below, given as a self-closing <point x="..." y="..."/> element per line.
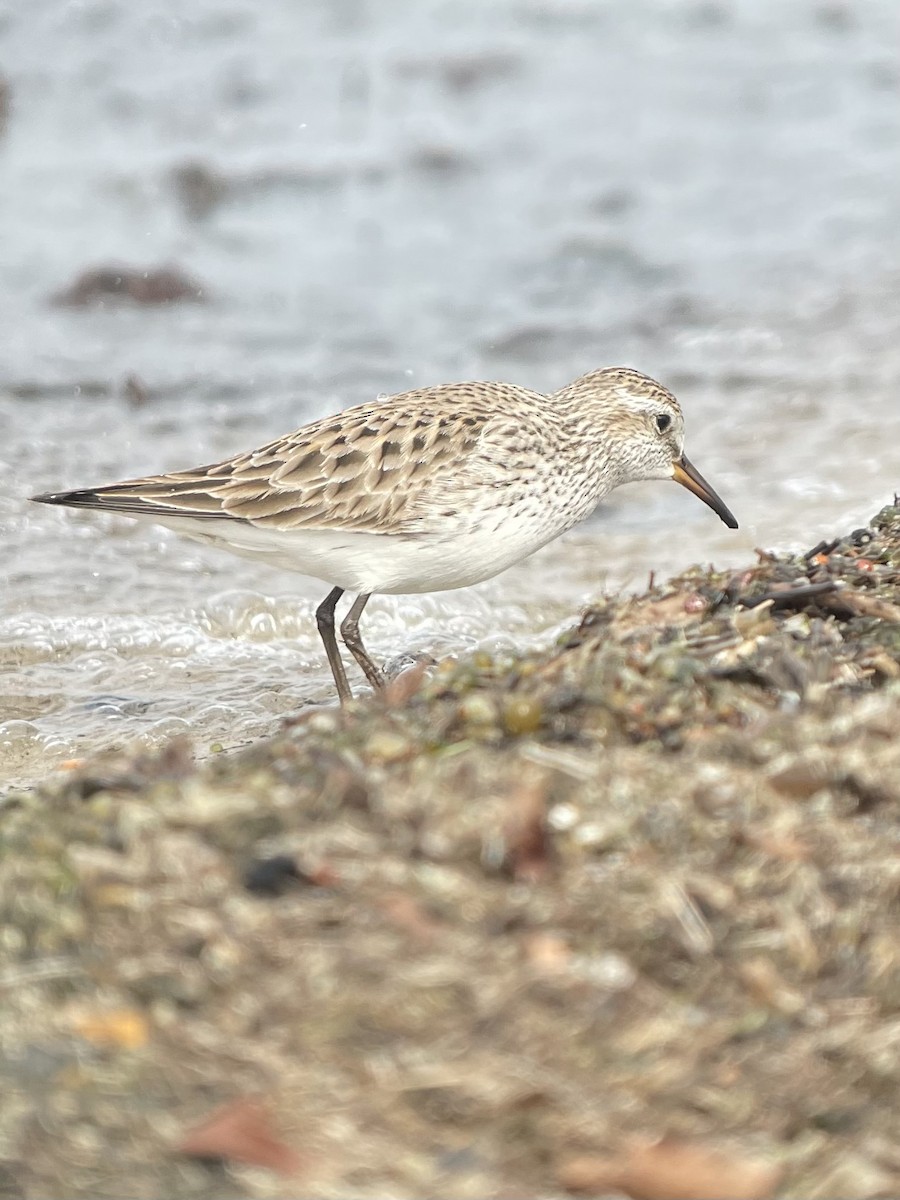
<point x="81" y="499"/>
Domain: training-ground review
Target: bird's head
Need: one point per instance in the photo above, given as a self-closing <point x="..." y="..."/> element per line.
<point x="642" y="426"/>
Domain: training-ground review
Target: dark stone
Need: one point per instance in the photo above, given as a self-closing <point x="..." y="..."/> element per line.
<point x="272" y="876"/>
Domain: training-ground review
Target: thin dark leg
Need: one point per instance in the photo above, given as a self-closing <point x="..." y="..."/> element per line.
<point x="325" y="622"/>
<point x="353" y="642"/>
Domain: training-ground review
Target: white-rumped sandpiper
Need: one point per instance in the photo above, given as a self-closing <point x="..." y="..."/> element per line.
<point x="436" y="488"/>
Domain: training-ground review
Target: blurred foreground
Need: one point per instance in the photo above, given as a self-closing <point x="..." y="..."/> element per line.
<point x="497" y="935"/>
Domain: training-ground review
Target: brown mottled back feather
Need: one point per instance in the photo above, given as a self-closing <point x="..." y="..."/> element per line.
<point x="378" y="468"/>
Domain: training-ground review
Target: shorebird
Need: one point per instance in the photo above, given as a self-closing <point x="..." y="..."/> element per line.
<point x="429" y="490"/>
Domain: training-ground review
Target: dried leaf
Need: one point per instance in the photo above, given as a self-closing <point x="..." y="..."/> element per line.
<point x="241" y="1131"/>
<point x="672" y="1170"/>
<point x="799" y="778"/>
<point x="125" y="1028"/>
<point x="404" y="686"/>
<point x="323" y="875"/>
<point x="528" y="845"/>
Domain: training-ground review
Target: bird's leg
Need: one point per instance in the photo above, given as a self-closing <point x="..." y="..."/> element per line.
<point x="325" y="622"/>
<point x="353" y="642"/>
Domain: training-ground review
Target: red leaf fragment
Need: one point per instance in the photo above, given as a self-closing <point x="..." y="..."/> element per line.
<point x="241" y="1131"/>
<point x="401" y="689"/>
<point x="672" y="1170"/>
<point x="529" y="847"/>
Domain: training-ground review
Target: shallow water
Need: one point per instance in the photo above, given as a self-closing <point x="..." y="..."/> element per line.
<point x="406" y="194"/>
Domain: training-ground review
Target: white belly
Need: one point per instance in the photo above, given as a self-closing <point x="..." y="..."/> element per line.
<point x="369" y="562"/>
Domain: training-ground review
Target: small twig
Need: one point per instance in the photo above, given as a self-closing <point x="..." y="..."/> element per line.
<point x="788" y="597"/>
<point x="821" y="548"/>
<point x="713" y="643"/>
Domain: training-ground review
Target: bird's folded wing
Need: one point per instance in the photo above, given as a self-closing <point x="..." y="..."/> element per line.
<point x="396" y="466"/>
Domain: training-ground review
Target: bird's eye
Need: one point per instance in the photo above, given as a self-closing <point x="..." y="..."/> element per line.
<point x="663" y="421"/>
